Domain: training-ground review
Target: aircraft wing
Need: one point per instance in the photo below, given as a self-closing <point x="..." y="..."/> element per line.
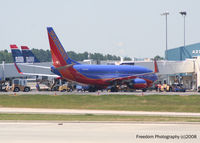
<point x="128" y="78"/>
<point x="136" y="75"/>
<point x="35" y="74"/>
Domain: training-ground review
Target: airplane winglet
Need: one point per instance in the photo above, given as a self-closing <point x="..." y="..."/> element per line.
<point x="18" y="69"/>
<point x="156" y="70"/>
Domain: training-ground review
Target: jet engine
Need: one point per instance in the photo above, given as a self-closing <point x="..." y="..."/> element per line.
<point x="138" y="83"/>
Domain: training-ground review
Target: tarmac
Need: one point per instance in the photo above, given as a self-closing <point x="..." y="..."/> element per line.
<point x="98" y="132"/>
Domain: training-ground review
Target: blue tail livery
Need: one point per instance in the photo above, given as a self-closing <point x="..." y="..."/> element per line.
<point x="29" y="57"/>
<point x="16" y="54"/>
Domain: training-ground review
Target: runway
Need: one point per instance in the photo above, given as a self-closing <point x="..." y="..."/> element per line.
<point x="30" y="132"/>
<point x="95" y="112"/>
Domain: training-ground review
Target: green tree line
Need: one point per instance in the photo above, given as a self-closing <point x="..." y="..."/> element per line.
<point x="45" y="56"/>
<point x="6" y="56"/>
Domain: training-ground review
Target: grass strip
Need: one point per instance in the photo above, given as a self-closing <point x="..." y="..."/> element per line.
<point x="165" y="103"/>
<point x="90" y="117"/>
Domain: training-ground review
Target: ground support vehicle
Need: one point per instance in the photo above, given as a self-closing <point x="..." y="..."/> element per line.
<point x="18" y="85"/>
<point x="65" y="87"/>
<point x="83" y="88"/>
<point x="178" y="88"/>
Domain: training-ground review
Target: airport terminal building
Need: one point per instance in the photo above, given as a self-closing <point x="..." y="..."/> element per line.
<point x="182" y="66"/>
<point x="190" y="53"/>
<point x="183" y="53"/>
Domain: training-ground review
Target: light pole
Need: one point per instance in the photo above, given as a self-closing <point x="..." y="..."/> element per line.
<point x="183" y="13"/>
<point x="165" y="14"/>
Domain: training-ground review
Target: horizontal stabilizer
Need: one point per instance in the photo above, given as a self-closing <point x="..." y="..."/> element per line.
<point x="33" y="74"/>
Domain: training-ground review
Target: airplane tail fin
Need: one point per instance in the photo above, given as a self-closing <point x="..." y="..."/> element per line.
<point x="29" y="57"/>
<point x="58" y="53"/>
<point x="16" y="54"/>
<point x="156" y="70"/>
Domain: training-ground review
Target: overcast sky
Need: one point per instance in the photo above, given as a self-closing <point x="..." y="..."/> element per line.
<point x="131" y="28"/>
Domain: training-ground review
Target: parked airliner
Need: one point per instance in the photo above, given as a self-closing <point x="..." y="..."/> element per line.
<point x="97" y="76"/>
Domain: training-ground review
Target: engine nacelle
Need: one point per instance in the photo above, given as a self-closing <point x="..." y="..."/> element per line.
<point x="138" y="83"/>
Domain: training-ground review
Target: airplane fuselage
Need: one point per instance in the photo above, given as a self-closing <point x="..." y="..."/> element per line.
<point x="102" y="75"/>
